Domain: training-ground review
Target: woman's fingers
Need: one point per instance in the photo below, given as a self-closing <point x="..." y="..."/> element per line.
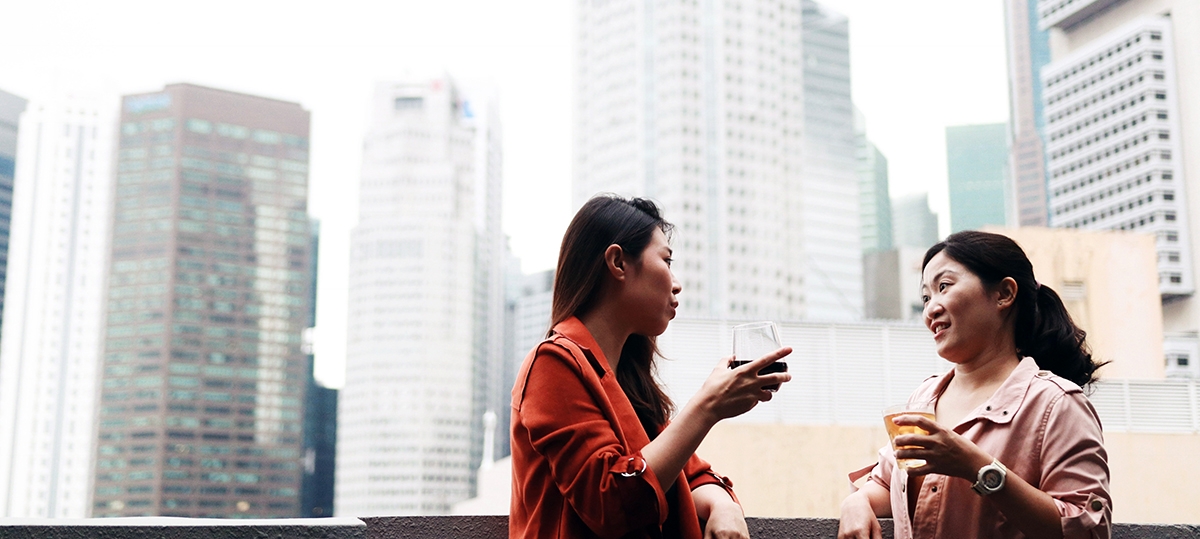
<point x="761" y="363"/>
<point x="914" y="420"/>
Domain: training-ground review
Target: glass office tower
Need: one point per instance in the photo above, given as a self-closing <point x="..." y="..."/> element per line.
<point x="203" y="375"/>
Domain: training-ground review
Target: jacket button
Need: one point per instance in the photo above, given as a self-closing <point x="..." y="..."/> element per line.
<point x="1097" y="505"/>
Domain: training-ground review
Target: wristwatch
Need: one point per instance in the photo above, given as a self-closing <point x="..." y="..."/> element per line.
<point x="991" y="479"/>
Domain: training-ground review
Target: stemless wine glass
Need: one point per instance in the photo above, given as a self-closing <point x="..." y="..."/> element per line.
<point x="922" y="408"/>
<point x="754" y="340"/>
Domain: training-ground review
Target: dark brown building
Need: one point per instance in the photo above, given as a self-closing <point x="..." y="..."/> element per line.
<point x="204" y="377"/>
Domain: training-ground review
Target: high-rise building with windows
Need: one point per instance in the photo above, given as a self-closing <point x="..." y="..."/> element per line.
<point x="1118" y="115"/>
<point x="202" y="392"/>
<point x="1114" y="142"/>
<point x="410" y="417"/>
<point x="1028" y="51"/>
<point x="320" y="412"/>
<point x="976" y="167"/>
<point x="913" y="223"/>
<point x="51" y="336"/>
<point x="11" y="107"/>
<point x="875" y="204"/>
<point x="737" y="119"/>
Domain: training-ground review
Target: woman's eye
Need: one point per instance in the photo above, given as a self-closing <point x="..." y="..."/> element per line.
<point x="942" y="287"/>
<point x="924" y="299"/>
<point x="669" y="260"/>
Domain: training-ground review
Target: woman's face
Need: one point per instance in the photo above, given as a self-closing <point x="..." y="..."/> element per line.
<point x="650" y="288"/>
<point x="964" y="316"/>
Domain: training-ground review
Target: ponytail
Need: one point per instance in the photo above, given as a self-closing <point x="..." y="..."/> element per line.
<point x="1052" y="339"/>
<point x="1043" y="328"/>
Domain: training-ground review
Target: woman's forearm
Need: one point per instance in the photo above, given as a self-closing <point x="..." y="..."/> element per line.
<point x="1029" y="509"/>
<point x="667" y="454"/>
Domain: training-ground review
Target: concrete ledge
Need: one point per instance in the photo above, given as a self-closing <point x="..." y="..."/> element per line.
<point x="183" y="528"/>
<point x="460" y="527"/>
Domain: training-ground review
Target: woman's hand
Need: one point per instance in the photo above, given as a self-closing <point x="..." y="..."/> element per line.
<point x="732" y="392"/>
<point x="725" y="519"/>
<point x="858" y="520"/>
<point x="943" y="450"/>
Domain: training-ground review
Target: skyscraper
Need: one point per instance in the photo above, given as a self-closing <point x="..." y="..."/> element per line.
<point x="913" y="223"/>
<point x="875" y="204"/>
<point x="1114" y="142"/>
<point x="320" y="413"/>
<point x="1117" y="113"/>
<point x="204" y="376"/>
<point x="11" y="107"/>
<point x="406" y="435"/>
<point x="51" y="336"/>
<point x="491" y="393"/>
<point x="1028" y="51"/>
<point x="976" y="166"/>
<point x="738" y="121"/>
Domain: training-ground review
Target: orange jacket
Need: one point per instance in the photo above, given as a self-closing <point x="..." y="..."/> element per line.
<point x="577" y="464"/>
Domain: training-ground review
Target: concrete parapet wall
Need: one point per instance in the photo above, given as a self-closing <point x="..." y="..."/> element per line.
<point x="456" y="527"/>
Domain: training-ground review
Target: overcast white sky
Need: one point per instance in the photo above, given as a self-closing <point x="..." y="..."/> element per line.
<point x="917" y="67"/>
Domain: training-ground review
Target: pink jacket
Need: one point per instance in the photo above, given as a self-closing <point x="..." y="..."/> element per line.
<point x="1038" y="425"/>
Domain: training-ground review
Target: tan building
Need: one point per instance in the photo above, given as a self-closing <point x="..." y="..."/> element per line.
<point x="1109" y="283"/>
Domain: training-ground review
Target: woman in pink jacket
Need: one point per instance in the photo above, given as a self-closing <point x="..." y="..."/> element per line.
<point x="1016" y="450"/>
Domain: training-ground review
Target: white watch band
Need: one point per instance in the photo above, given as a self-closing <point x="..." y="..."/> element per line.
<point x="990" y="479"/>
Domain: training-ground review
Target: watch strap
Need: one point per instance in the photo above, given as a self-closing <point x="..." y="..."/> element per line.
<point x="982" y="488"/>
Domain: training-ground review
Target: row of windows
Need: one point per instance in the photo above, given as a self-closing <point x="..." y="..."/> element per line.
<point x="1097" y="118"/>
<point x="1102" y="56"/>
<point x="1162" y="135"/>
<point x="1160" y="95"/>
<point x="1082" y="86"/>
<point x="1132" y="224"/>
<point x="1110" y="192"/>
<point x="1163" y="155"/>
<point x="261" y="136"/>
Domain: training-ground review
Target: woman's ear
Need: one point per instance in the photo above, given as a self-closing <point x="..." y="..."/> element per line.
<point x="614" y="260"/>
<point x="1006" y="292"/>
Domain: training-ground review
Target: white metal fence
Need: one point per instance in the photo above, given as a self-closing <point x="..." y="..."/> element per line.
<point x="846" y="373"/>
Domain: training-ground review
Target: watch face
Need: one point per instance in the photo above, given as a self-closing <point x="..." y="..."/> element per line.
<point x="992" y="478"/>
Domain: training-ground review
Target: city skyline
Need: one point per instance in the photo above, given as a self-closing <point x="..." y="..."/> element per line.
<point x="528" y="59"/>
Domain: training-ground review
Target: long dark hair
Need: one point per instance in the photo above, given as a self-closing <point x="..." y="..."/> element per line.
<point x="630" y="223"/>
<point x="1043" y="328"/>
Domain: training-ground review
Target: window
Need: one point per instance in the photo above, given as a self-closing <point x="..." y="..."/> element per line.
<point x="409" y="103"/>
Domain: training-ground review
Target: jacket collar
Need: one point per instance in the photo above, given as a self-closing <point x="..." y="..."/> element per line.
<point x="573" y="329"/>
<point x="1007" y="399"/>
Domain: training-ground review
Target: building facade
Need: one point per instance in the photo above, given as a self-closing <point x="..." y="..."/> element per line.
<point x="875" y="203"/>
<point x="410" y="414"/>
<point x="1028" y="51"/>
<point x="738" y="122"/>
<point x="320" y="411"/>
<point x="203" y="384"/>
<point x="51" y="338"/>
<point x="11" y="107"/>
<point x="977" y="167"/>
<point x="913" y="223"/>
<point x="1125" y="147"/>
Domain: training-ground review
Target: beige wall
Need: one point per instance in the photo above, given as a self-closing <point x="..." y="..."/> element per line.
<point x="1120" y="307"/>
<point x="800" y="471"/>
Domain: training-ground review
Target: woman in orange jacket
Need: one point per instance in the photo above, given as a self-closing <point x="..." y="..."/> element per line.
<point x="594" y="454"/>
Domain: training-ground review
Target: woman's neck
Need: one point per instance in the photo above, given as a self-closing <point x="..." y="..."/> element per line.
<point x="988" y="370"/>
<point x="609" y="333"/>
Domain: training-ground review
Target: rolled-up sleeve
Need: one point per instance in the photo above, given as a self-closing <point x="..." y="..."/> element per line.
<point x="1075" y="468"/>
<point x="699" y="473"/>
<point x="612" y="491"/>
